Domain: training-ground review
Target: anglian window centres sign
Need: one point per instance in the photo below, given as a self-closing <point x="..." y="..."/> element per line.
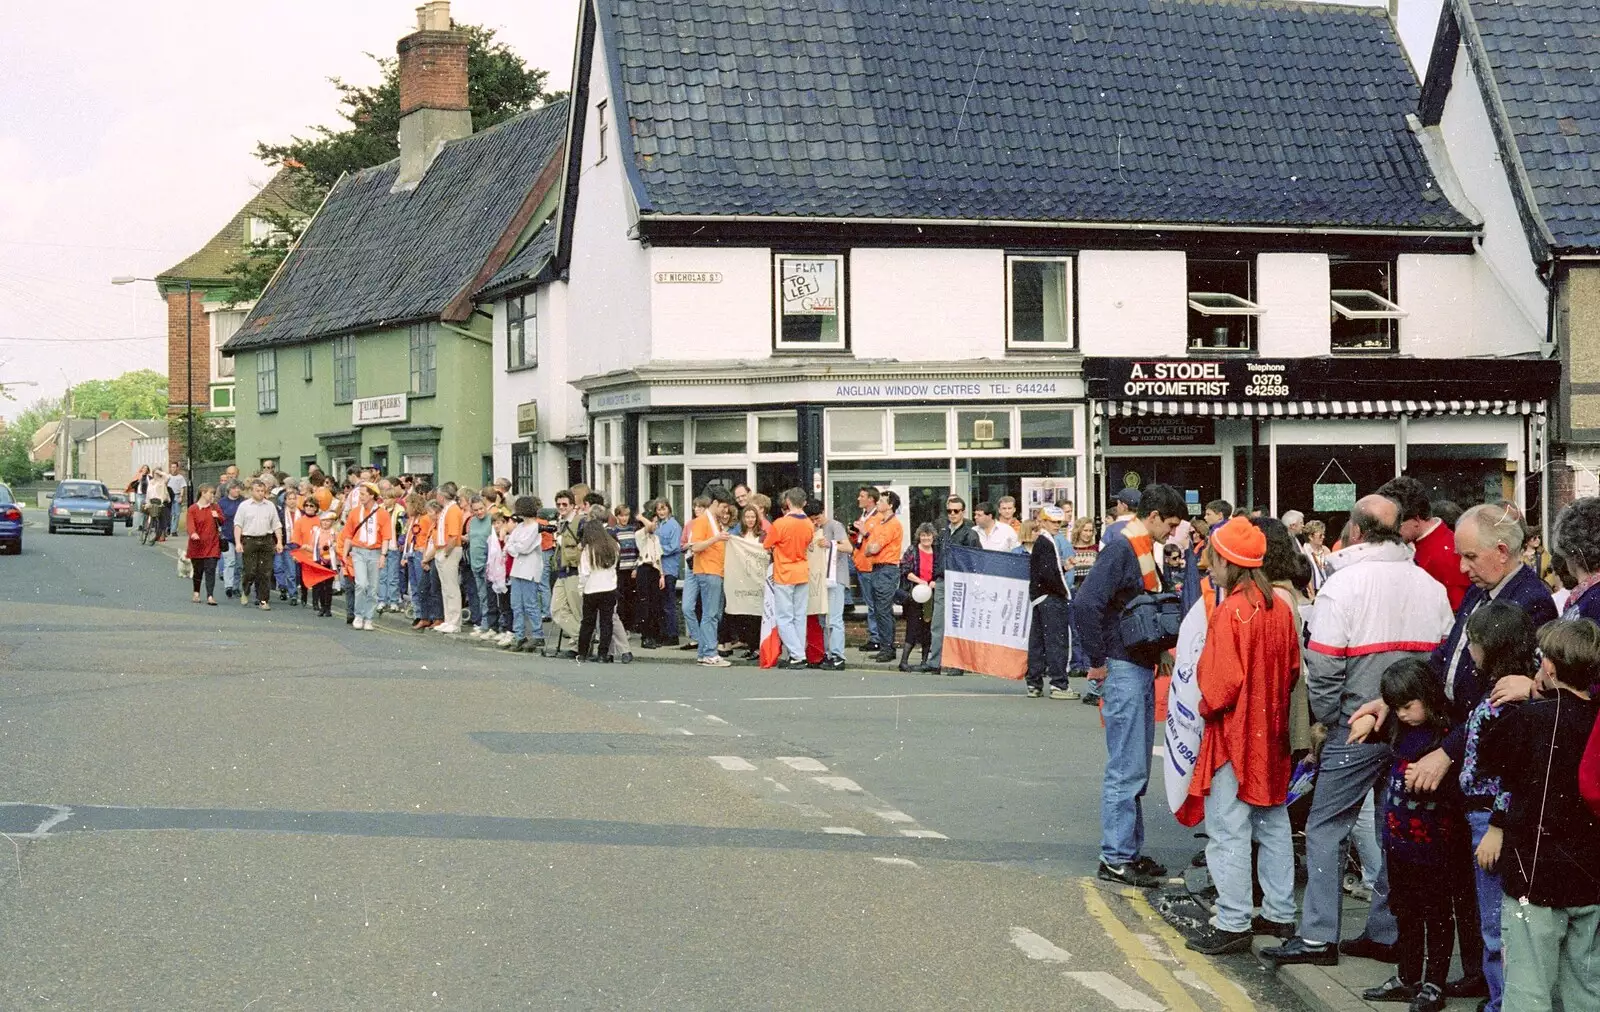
<point x="1200" y="380"/>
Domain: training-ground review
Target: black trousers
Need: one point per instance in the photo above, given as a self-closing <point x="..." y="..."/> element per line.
<point x="322" y="598"/>
<point x="259" y="551"/>
<point x="1419" y="896"/>
<point x="206" y="568"/>
<point x="1048" y="644"/>
<point x="919" y="631"/>
<point x="648" y="606"/>
<point x="597" y="610"/>
<point x="627" y="598"/>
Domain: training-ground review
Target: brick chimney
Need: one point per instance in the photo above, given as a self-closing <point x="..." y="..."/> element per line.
<point x="433" y="91"/>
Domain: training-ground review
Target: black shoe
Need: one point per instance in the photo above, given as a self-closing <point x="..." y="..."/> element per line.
<point x="800" y="664"/>
<point x="1274" y="929"/>
<point x="1393" y="989"/>
<point x="1429" y="999"/>
<point x="1126" y="874"/>
<point x="568" y="655"/>
<point x="870" y="648"/>
<point x="1366" y="948"/>
<point x="518" y="646"/>
<point x="1298" y="950"/>
<point x="606" y="659"/>
<point x="952" y="672"/>
<point x="626" y="658"/>
<point x="1035" y="691"/>
<point x="688" y="646"/>
<point x="833" y="664"/>
<point x="283" y="595"/>
<point x="1151" y="867"/>
<point x="1470" y="985"/>
<point x="349" y="620"/>
<point x="1216" y="942"/>
<point x="648" y="644"/>
<point x="884" y="656"/>
<point x="1090" y="699"/>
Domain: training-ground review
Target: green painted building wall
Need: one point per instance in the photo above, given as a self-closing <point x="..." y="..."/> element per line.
<point x="453" y="425"/>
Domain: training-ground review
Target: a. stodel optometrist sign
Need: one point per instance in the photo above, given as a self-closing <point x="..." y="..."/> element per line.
<point x="1199" y="379"/>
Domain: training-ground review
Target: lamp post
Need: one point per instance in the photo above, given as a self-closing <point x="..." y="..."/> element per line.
<point x="188" y="376"/>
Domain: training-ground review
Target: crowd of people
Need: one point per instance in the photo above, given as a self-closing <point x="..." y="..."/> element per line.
<point x="1434" y="666"/>
<point x="1420" y="665"/>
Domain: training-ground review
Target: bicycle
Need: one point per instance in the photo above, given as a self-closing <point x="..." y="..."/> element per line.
<point x="152" y="517"/>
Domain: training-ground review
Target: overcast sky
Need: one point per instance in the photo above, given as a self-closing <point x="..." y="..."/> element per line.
<point x="126" y="133"/>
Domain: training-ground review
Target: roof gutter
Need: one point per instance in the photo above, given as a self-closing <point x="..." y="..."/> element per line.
<point x="1116" y="226"/>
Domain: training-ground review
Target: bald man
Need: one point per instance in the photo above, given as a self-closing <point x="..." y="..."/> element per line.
<point x="1376" y="608"/>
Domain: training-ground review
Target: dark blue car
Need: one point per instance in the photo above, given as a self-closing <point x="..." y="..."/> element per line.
<point x="10" y="522"/>
<point x="81" y="506"/>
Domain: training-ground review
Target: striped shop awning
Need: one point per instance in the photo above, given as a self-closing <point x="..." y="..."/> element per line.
<point x="1316" y="409"/>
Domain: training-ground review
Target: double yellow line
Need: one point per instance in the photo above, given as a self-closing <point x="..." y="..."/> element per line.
<point x="1229" y="995"/>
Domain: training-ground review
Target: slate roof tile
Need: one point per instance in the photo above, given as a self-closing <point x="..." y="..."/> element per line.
<point x="1545" y="59"/>
<point x="373" y="258"/>
<point x="1183" y="111"/>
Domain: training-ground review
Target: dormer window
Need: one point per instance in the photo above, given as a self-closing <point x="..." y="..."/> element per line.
<point x="1222" y="310"/>
<point x="1365" y="318"/>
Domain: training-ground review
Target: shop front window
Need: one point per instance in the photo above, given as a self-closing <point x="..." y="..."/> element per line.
<point x="1047" y="430"/>
<point x="855" y="431"/>
<point x="1302" y="468"/>
<point x="778" y="433"/>
<point x="917" y="431"/>
<point x="718" y="434"/>
<point x="983" y="430"/>
<point x="663" y="437"/>
<point x="665" y="481"/>
<point x="1466" y="474"/>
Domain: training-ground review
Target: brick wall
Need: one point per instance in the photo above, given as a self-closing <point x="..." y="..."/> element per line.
<point x="433" y="71"/>
<point x="179" y="341"/>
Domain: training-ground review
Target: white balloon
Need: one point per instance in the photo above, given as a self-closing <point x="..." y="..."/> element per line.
<point x="922" y="593"/>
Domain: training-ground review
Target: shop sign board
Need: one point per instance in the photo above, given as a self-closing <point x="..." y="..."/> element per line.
<point x="613" y="400"/>
<point x="688" y="277"/>
<point x="949" y="390"/>
<point x="528" y="418"/>
<point x="1223" y="379"/>
<point x="810" y="287"/>
<point x="1333" y="497"/>
<point x="1159" y="431"/>
<point x="383" y="410"/>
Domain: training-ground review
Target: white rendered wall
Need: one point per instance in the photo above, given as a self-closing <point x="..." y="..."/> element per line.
<point x="1132" y="303"/>
<point x="545" y="384"/>
<point x="1293" y="289"/>
<point x="730" y="319"/>
<point x="927" y="304"/>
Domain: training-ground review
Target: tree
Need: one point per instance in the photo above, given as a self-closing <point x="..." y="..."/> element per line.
<point x="499" y="85"/>
<point x="138" y="394"/>
<point x="213" y="436"/>
<point x="15" y="466"/>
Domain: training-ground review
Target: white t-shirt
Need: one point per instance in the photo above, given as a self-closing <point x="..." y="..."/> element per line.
<point x="999" y="538"/>
<point x="177" y="483"/>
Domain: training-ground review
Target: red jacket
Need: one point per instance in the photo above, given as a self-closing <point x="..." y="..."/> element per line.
<point x="204" y="523"/>
<point x="1436" y="554"/>
<point x="1250" y="662"/>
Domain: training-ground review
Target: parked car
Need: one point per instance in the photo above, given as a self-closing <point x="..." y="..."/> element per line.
<point x="122" y="508"/>
<point x="10" y="522"/>
<point x="81" y="505"/>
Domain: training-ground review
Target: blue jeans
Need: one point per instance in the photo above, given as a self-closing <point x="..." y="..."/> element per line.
<point x="541" y="604"/>
<point x="389" y="580"/>
<point x="287" y="571"/>
<point x="836" y="595"/>
<point x="877" y="587"/>
<point x="230" y="567"/>
<point x="1489" y="897"/>
<point x="789" y="605"/>
<point x="527" y="623"/>
<point x="1129" y="710"/>
<point x="549" y="582"/>
<point x="477" y="595"/>
<point x="415" y="581"/>
<point x="706" y="592"/>
<point x="1346" y="776"/>
<point x="1231" y="825"/>
<point x="366" y="562"/>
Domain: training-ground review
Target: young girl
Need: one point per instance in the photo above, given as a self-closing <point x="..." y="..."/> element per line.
<point x="1418" y="839"/>
<point x="522" y="546"/>
<point x="319" y="542"/>
<point x="597" y="579"/>
<point x="1500" y="638"/>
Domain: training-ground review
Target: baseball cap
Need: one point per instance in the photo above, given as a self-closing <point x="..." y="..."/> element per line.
<point x="1129" y="497"/>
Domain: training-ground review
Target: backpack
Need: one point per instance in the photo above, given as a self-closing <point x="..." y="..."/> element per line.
<point x="567" y="546"/>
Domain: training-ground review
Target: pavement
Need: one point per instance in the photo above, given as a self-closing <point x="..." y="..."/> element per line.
<point x="226" y="808"/>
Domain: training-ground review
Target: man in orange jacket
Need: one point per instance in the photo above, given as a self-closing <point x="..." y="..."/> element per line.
<point x="1250" y="661"/>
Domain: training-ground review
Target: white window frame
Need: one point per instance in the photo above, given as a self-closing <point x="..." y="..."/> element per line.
<point x="1069" y="270"/>
<point x="1389" y="312"/>
<point x="608" y="458"/>
<point x="753" y="439"/>
<point x="841" y="312"/>
<point x="1238" y="306"/>
<point x="527" y="320"/>
<point x="601" y="128"/>
<point x="1013" y="447"/>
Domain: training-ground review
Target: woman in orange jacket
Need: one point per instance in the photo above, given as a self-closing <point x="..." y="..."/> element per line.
<point x="1250" y="662"/>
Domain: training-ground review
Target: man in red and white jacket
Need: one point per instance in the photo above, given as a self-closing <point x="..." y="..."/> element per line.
<point x="1376" y="607"/>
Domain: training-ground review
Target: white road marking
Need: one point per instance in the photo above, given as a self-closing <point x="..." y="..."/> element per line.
<point x="843" y="831"/>
<point x="839" y="783"/>
<point x="892" y="815"/>
<point x="776" y="699"/>
<point x="803" y="763"/>
<point x="922" y="695"/>
<point x="712" y="718"/>
<point x="667" y="702"/>
<point x="1157" y="951"/>
<point x="898" y="862"/>
<point x="58" y="815"/>
<point x="1192" y="979"/>
<point x="1115" y="990"/>
<point x="1036" y="946"/>
<point x="684" y="730"/>
<point x="923" y="834"/>
<point x="733" y="763"/>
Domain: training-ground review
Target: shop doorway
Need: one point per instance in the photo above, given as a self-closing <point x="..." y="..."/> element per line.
<point x="727" y="477"/>
<point x="922" y="495"/>
<point x="1197" y="479"/>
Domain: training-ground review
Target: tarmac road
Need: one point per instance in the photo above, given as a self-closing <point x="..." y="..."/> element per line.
<point x="221" y="808"/>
